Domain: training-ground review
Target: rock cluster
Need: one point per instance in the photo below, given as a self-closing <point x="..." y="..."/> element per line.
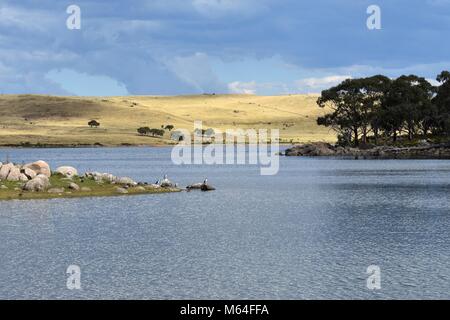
<point x="24" y="173"/>
<point x="320" y="149"/>
<point x="203" y="186"/>
<point x="35" y="177"/>
<point x="109" y="178"/>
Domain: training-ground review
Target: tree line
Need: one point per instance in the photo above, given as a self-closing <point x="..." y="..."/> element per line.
<point x="143" y="131"/>
<point x="378" y="107"/>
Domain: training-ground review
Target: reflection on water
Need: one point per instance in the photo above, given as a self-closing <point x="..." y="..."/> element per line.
<point x="309" y="232"/>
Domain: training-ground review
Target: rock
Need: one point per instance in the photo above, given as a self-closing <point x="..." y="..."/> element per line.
<point x="5" y="169"/>
<point x="86" y="189"/>
<point x="56" y="190"/>
<point x="29" y="173"/>
<point x="107" y="177"/>
<point x="312" y="150"/>
<point x="3" y="187"/>
<point x="40" y="167"/>
<point x="140" y="188"/>
<point x="203" y="186"/>
<point x="14" y="174"/>
<point x="67" y="171"/>
<point x="207" y="187"/>
<point x="23" y="178"/>
<point x="74" y="186"/>
<point x="195" y="186"/>
<point x="121" y="190"/>
<point x="39" y="183"/>
<point x="99" y="177"/>
<point x="125" y="181"/>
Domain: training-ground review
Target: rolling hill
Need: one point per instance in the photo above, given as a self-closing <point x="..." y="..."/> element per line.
<point x="54" y="120"/>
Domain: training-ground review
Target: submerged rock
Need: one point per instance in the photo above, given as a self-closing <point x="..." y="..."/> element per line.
<point x="206" y="187"/>
<point x="195" y="186"/>
<point x="203" y="186"/>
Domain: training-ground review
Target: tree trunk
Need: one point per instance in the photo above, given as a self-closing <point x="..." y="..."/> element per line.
<point x="364" y="135"/>
<point x="355" y="132"/>
<point x="394" y="138"/>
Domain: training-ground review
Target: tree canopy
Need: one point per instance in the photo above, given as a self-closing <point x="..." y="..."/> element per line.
<point x="378" y="106"/>
<point x="93" y="124"/>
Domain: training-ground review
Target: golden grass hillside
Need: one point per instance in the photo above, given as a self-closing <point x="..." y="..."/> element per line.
<point x="51" y="120"/>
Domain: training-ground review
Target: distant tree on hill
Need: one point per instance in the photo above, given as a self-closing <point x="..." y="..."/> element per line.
<point x="143" y="131"/>
<point x="169" y="127"/>
<point x="93" y="124"/>
<point x="157" y="132"/>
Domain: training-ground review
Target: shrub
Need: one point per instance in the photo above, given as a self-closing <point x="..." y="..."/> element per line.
<point x="93" y="124"/>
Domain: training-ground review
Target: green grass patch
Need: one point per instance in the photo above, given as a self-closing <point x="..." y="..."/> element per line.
<point x="14" y="189"/>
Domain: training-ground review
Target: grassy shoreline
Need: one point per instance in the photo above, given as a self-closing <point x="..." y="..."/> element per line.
<point x="14" y="190"/>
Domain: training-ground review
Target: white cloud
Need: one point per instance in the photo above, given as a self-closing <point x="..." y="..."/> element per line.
<point x="238" y="87"/>
<point x="29" y="20"/>
<point x="218" y="8"/>
<point x="433" y="82"/>
<point x="320" y="83"/>
<point x="253" y="87"/>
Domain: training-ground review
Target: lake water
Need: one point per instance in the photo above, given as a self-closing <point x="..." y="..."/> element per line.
<point x="309" y="232"/>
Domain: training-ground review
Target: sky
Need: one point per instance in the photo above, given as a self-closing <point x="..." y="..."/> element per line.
<point x="173" y="47"/>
